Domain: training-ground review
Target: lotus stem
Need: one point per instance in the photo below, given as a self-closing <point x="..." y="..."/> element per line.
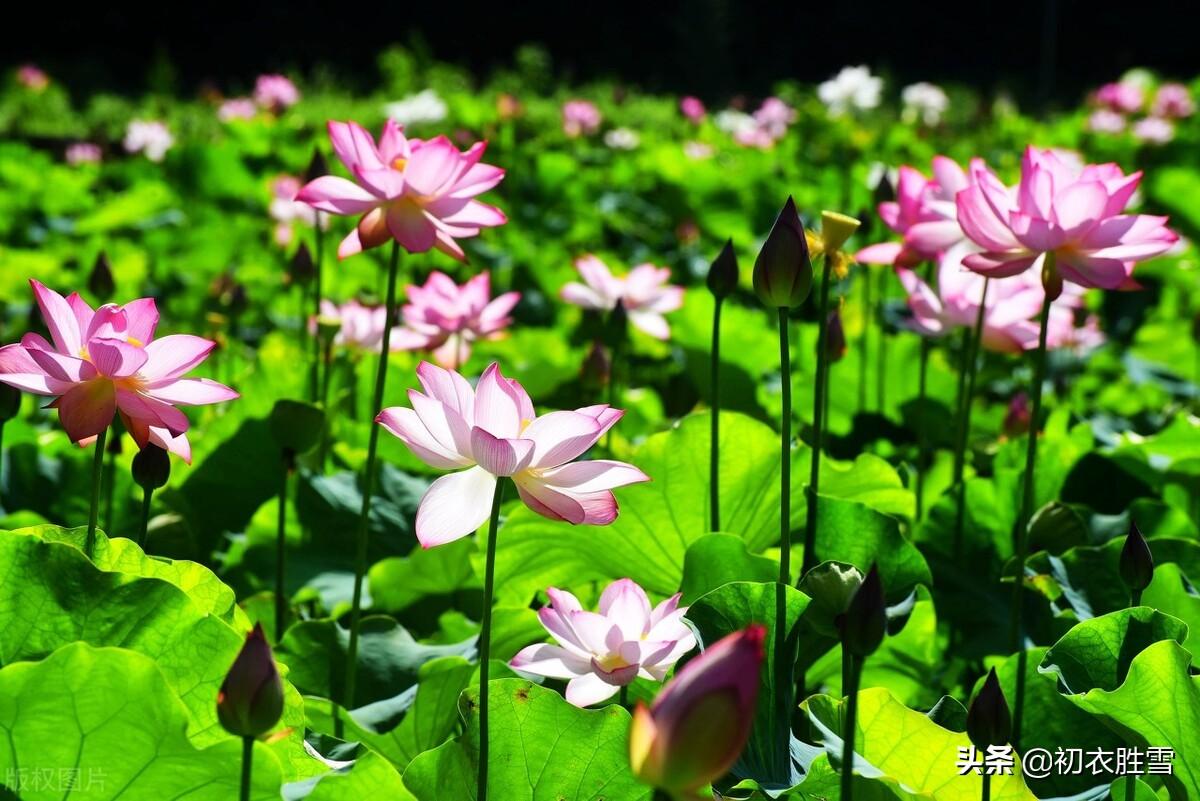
<point x="986" y="793"/>
<point x="881" y="350"/>
<point x="1017" y="609"/>
<point x="970" y="365"/>
<point x="368" y="485"/>
<point x="864" y="339"/>
<point x="922" y="434"/>
<point x="318" y="257"/>
<point x="485" y="640"/>
<point x="247" y="763"/>
<point x="785" y="462"/>
<point x="850" y="730"/>
<point x="714" y="457"/>
<point x="281" y="555"/>
<point x="810" y="527"/>
<point x="147" y="497"/>
<point x="89" y="544"/>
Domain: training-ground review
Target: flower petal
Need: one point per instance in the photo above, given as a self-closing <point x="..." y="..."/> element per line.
<point x="550" y="661"/>
<point x="500" y="457"/>
<point x="337" y="196"/>
<point x="193" y="392"/>
<point x="590" y="689"/>
<point x="560" y="437"/>
<point x="116" y="358"/>
<point x="455" y="506"/>
<point x="59" y="318"/>
<point x="408" y="428"/>
<point x="171" y="356"/>
<point x="87" y="408"/>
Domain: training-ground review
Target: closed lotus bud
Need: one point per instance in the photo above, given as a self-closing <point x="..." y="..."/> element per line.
<point x="988" y="719"/>
<point x="1016" y="419"/>
<point x="100" y="280"/>
<point x="296" y="426"/>
<point x="151" y="467"/>
<point x="596" y="367"/>
<point x="1137" y="563"/>
<point x="616" y="327"/>
<point x="699" y="723"/>
<point x="317" y="166"/>
<point x="250" y="702"/>
<point x="10" y="402"/>
<point x="1052" y="282"/>
<point x="723" y="274"/>
<point x="830" y="585"/>
<point x="836" y="228"/>
<point x="884" y="191"/>
<point x="301" y="268"/>
<point x="783" y="270"/>
<point x="835" y="336"/>
<point x="865" y="621"/>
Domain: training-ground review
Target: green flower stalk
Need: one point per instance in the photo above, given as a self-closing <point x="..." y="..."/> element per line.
<point x="867" y="311"/>
<point x="722" y="282"/>
<point x="110" y="477"/>
<point x="89" y="543"/>
<point x="922" y="392"/>
<point x="862" y="628"/>
<point x="616" y="332"/>
<point x="151" y="471"/>
<point x="250" y="701"/>
<point x="10" y="407"/>
<point x="963" y="430"/>
<point x="317" y="167"/>
<point x="368" y="484"/>
<point x="485" y="641"/>
<point x="1052" y="284"/>
<point x="835" y="230"/>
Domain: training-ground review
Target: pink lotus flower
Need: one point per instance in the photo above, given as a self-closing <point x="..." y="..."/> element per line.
<point x="774" y="116"/>
<point x="237" y="108"/>
<point x="1154" y="130"/>
<point x="492" y="431"/>
<point x="644" y="293"/>
<point x="275" y="92"/>
<point x="444" y="318"/>
<point x="580" y="117"/>
<point x="1057" y="207"/>
<point x="923" y="213"/>
<point x="692" y="108"/>
<point x="1105" y="120"/>
<point x="421" y="193"/>
<point x="1008" y="322"/>
<point x="1124" y="96"/>
<point x="361" y="326"/>
<point x="696" y="728"/>
<point x="83" y="153"/>
<point x="149" y="137"/>
<point x="1173" y="101"/>
<point x="103" y="362"/>
<point x="601" y="652"/>
<point x="32" y="77"/>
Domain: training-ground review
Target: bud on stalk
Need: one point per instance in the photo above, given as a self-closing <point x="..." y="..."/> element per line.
<point x="783" y="270"/>
<point x="250" y="702"/>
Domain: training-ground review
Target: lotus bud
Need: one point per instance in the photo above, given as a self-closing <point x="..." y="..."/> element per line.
<point x="1016" y="419"/>
<point x="151" y="467"/>
<point x="723" y="274"/>
<point x="830" y="585"/>
<point x="988" y="719"/>
<point x="835" y="335"/>
<point x="296" y="426"/>
<point x="250" y="702"/>
<point x="616" y="327"/>
<point x="1052" y="282"/>
<point x="597" y="366"/>
<point x="865" y="620"/>
<point x="783" y="270"/>
<point x="701" y="719"/>
<point x="10" y="403"/>
<point x="301" y="268"/>
<point x="884" y="190"/>
<point x="836" y="228"/>
<point x="1137" y="563"/>
<point x="100" y="280"/>
<point x="317" y="166"/>
<point x="113" y="444"/>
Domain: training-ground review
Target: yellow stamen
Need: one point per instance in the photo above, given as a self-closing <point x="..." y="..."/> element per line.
<point x="399" y="163"/>
<point x="137" y="343"/>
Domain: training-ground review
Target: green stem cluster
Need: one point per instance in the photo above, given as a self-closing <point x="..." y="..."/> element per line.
<point x="714" y="454"/>
<point x="814" y="481"/>
<point x="368" y="484"/>
<point x="922" y="433"/>
<point x="969" y="368"/>
<point x="852" y="674"/>
<point x="318" y="253"/>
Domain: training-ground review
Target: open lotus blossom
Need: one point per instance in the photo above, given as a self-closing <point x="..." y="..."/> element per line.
<point x="106" y="361"/>
<point x="419" y="192"/>
<point x="1173" y="101"/>
<point x="644" y="293"/>
<point x="149" y="137"/>
<point x="600" y="652"/>
<point x="923" y="213"/>
<point x="774" y="116"/>
<point x="692" y="108"/>
<point x="361" y="325"/>
<point x="1124" y="96"/>
<point x="1009" y="324"/>
<point x="852" y="89"/>
<point x="580" y="117"/>
<point x="698" y="725"/>
<point x="1076" y="213"/>
<point x="445" y="318"/>
<point x="492" y="431"/>
<point x="275" y="92"/>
